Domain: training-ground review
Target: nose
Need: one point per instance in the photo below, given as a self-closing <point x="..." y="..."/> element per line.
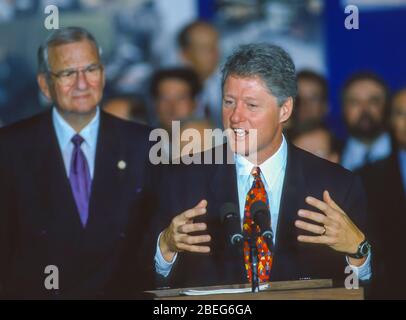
<point x="81" y="83"/>
<point x="237" y="114"/>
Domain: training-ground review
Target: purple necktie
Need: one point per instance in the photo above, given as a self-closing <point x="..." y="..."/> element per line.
<point x="79" y="177"/>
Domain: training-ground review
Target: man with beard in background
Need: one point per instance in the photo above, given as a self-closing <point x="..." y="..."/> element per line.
<point x="364" y="98"/>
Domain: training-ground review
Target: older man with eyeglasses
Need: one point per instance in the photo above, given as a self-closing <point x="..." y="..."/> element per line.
<point x="71" y="182"/>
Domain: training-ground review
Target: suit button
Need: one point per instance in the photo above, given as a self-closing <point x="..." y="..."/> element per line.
<point x="122" y="235"/>
<point x="43" y="233"/>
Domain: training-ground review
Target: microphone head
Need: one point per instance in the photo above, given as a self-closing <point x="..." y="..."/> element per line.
<point x="227" y="211"/>
<point x="230" y="219"/>
<point x="262" y="217"/>
<point x="260" y="214"/>
<point x="268" y="234"/>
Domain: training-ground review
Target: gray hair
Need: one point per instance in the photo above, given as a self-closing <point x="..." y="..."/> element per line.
<point x="270" y="63"/>
<point x="61" y="37"/>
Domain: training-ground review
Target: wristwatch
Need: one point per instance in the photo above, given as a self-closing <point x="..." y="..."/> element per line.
<point x="363" y="250"/>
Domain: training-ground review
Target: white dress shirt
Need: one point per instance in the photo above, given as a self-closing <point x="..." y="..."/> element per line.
<point x="64" y="133"/>
<point x="273" y="174"/>
<point x="355" y="152"/>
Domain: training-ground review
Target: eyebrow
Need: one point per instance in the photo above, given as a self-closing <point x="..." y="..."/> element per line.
<point x="84" y="67"/>
<point x="244" y="98"/>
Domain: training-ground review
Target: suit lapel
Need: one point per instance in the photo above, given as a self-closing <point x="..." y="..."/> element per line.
<point x="223" y="185"/>
<point x="55" y="192"/>
<point x="293" y="195"/>
<point x="108" y="180"/>
<point x="223" y="189"/>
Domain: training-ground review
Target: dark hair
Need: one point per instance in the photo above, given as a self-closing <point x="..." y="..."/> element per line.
<point x="362" y="76"/>
<point x="312" y="126"/>
<point x="61" y="37"/>
<point x="269" y="62"/>
<point x="138" y="109"/>
<point x="184" y="35"/>
<point x="185" y="74"/>
<point x="317" y="78"/>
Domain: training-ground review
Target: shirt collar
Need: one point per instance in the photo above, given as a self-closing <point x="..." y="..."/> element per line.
<point x="270" y="168"/>
<point x="65" y="132"/>
<point x="378" y="143"/>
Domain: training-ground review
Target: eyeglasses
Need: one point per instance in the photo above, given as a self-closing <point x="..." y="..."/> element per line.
<point x="68" y="77"/>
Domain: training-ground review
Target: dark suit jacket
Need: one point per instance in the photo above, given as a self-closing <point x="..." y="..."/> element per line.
<point x="387" y="224"/>
<point x="40" y="224"/>
<point x="183" y="186"/>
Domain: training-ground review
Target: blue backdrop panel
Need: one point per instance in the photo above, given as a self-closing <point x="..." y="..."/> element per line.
<point x="206" y="9"/>
<point x="378" y="45"/>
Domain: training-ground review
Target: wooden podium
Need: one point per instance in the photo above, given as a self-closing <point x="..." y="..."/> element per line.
<point x="285" y="290"/>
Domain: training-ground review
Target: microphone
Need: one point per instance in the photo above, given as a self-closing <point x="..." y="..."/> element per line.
<point x="230" y="218"/>
<point x="262" y="217"/>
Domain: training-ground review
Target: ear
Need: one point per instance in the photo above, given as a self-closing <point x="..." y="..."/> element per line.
<point x="43" y="85"/>
<point x="285" y="110"/>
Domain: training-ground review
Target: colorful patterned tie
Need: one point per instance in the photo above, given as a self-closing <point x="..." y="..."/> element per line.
<point x="79" y="177"/>
<point x="256" y="193"/>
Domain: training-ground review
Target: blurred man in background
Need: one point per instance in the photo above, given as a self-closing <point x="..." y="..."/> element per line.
<point x="385" y="183"/>
<point x="174" y="92"/>
<point x="311" y="101"/>
<point x="316" y="138"/>
<point x="365" y="99"/>
<point x="127" y="107"/>
<point x="199" y="49"/>
<point x="195" y="137"/>
<point x="18" y="98"/>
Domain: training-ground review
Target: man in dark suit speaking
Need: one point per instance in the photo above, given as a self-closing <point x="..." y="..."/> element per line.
<point x="70" y="182"/>
<point x="317" y="208"/>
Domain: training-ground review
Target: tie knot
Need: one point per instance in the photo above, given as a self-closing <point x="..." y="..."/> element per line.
<point x="256" y="172"/>
<point x="77" y="140"/>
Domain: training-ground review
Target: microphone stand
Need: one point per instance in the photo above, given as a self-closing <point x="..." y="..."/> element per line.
<point x="254" y="261"/>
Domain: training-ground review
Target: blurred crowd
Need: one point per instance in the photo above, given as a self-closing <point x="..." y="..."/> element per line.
<point x="191" y="93"/>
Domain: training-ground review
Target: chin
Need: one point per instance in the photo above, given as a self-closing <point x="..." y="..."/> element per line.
<point x="242" y="150"/>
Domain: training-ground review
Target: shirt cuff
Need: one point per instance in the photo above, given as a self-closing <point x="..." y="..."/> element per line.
<point x="162" y="267"/>
<point x="363" y="271"/>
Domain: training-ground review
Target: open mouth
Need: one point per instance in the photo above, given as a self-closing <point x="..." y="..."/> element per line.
<point x="240" y="133"/>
